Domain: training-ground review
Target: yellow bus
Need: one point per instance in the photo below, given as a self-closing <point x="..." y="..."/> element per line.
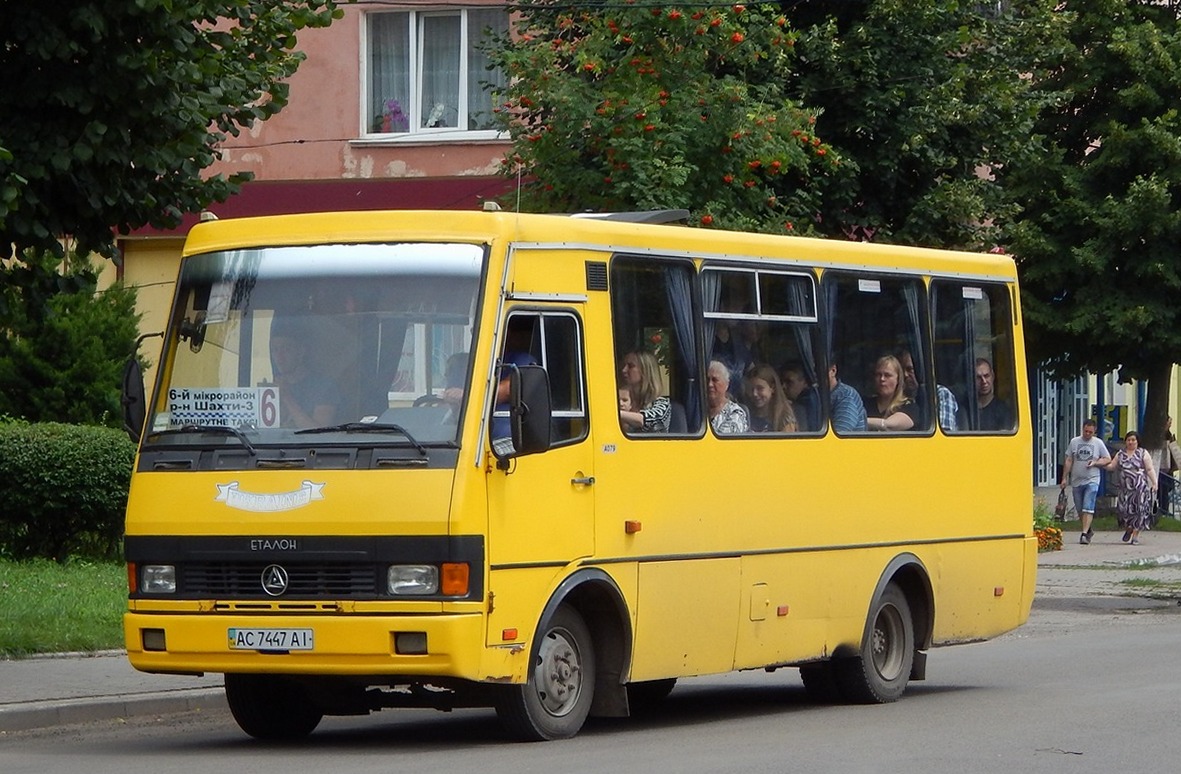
<point x="552" y="464"/>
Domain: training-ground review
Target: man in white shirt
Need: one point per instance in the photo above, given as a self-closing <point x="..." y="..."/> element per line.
<point x="1083" y="466"/>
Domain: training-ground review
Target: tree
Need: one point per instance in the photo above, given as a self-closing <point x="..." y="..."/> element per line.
<point x="897" y="106"/>
<point x="1098" y="238"/>
<point x="62" y="347"/>
<point x="617" y="106"/>
<point x="113" y="108"/>
<point x="923" y="98"/>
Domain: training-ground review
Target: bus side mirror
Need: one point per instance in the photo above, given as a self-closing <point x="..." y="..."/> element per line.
<point x="133" y="399"/>
<point x="529" y="409"/>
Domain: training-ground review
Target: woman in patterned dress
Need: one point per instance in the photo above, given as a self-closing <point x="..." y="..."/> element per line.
<point x="1137" y="486"/>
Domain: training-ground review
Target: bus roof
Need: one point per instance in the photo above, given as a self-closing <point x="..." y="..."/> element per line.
<point x="525" y="230"/>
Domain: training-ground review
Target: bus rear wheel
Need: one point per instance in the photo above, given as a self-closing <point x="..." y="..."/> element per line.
<point x="820" y="682"/>
<point x="271" y="706"/>
<point x="878" y="674"/>
<point x="555" y="701"/>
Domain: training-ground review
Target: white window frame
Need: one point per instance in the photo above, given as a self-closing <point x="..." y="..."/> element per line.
<point x="417" y="133"/>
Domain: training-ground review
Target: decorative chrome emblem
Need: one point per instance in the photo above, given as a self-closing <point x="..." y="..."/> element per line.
<point x="274" y="580"/>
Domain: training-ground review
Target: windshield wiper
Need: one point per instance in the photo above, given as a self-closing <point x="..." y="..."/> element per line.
<point x="217" y="429"/>
<point x="367" y="427"/>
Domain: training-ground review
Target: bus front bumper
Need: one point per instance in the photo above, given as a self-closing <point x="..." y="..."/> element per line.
<point x="404" y="645"/>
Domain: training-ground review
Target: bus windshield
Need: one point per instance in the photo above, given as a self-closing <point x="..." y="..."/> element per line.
<point x="356" y="343"/>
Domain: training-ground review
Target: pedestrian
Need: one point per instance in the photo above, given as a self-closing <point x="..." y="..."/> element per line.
<point x="1086" y="456"/>
<point x="1137" y="486"/>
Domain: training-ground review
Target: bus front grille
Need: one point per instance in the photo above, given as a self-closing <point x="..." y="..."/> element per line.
<point x="258" y="580"/>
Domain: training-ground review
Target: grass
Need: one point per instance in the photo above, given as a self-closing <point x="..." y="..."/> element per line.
<point x="1150" y="584"/>
<point x="47" y="607"/>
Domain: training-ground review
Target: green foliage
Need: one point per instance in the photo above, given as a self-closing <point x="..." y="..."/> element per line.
<point x="63" y="489"/>
<point x="1097" y="238"/>
<point x="626" y="107"/>
<point x="866" y="119"/>
<point x="55" y="608"/>
<point x="922" y="97"/>
<point x="1043" y="515"/>
<point x="121" y="105"/>
<point x="62" y="347"/>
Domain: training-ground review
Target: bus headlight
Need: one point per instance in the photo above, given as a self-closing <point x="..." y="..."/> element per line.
<point x="158" y="579"/>
<point x="412" y="579"/>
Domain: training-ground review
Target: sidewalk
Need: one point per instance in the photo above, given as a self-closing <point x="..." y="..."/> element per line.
<point x="77" y="688"/>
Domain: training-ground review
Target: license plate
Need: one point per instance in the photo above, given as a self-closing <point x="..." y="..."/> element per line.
<point x="270" y="639"/>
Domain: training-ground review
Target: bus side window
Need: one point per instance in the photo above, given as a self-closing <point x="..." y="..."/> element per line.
<point x="657" y="357"/>
<point x="877" y="325"/>
<point x="763" y="325"/>
<point x="974" y="353"/>
<point x="552" y="340"/>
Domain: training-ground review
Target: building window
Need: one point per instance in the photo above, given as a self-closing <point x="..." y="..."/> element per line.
<point x="426" y="73"/>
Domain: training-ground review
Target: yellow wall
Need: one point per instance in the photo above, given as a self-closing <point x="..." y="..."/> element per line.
<point x="150" y="266"/>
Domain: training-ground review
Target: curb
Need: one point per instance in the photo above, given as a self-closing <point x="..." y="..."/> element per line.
<point x="57" y="712"/>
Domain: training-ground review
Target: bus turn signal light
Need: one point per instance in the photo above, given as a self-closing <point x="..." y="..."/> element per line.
<point x="455" y="579"/>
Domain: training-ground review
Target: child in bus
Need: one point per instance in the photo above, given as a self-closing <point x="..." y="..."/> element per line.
<point x="770" y="410"/>
<point x="625" y="398"/>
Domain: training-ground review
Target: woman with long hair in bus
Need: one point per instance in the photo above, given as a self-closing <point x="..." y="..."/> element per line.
<point x="1137" y="486"/>
<point x="888" y="408"/>
<point x="650" y="410"/>
<point x="770" y="410"/>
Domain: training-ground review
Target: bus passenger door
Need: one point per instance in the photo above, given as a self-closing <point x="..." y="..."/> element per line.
<point x="541" y="506"/>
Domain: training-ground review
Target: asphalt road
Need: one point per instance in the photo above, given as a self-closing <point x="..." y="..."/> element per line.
<point x="1088" y="685"/>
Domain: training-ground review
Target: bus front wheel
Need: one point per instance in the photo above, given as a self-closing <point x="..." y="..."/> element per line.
<point x="555" y="701"/>
<point x="271" y="706"/>
<point x="880" y="671"/>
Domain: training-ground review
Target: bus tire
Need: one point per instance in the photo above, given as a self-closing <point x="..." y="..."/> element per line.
<point x="556" y="699"/>
<point x="820" y="682"/>
<point x="878" y="674"/>
<point x="271" y="706"/>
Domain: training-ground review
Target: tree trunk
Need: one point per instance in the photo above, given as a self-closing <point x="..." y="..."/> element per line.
<point x="1156" y="409"/>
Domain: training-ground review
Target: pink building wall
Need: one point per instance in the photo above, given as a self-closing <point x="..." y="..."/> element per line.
<point x="318" y="136"/>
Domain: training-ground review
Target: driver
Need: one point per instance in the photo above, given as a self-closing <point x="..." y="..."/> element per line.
<point x="306" y="399"/>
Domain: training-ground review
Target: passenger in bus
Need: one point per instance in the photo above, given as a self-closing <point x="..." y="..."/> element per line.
<point x="888" y="408"/>
<point x="306" y="399"/>
<point x="625" y="398"/>
<point x="730" y="347"/>
<point x="802" y="393"/>
<point x="848" y="410"/>
<point x="948" y="405"/>
<point x="649" y="411"/>
<point x="725" y="416"/>
<point x="993" y="413"/>
<point x="770" y="410"/>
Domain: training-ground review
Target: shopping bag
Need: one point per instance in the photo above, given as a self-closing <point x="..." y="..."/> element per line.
<point x="1060" y="508"/>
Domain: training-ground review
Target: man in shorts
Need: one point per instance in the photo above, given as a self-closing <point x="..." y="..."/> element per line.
<point x="1083" y="467"/>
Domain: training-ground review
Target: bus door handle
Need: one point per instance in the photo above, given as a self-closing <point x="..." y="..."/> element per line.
<point x="583" y="480"/>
